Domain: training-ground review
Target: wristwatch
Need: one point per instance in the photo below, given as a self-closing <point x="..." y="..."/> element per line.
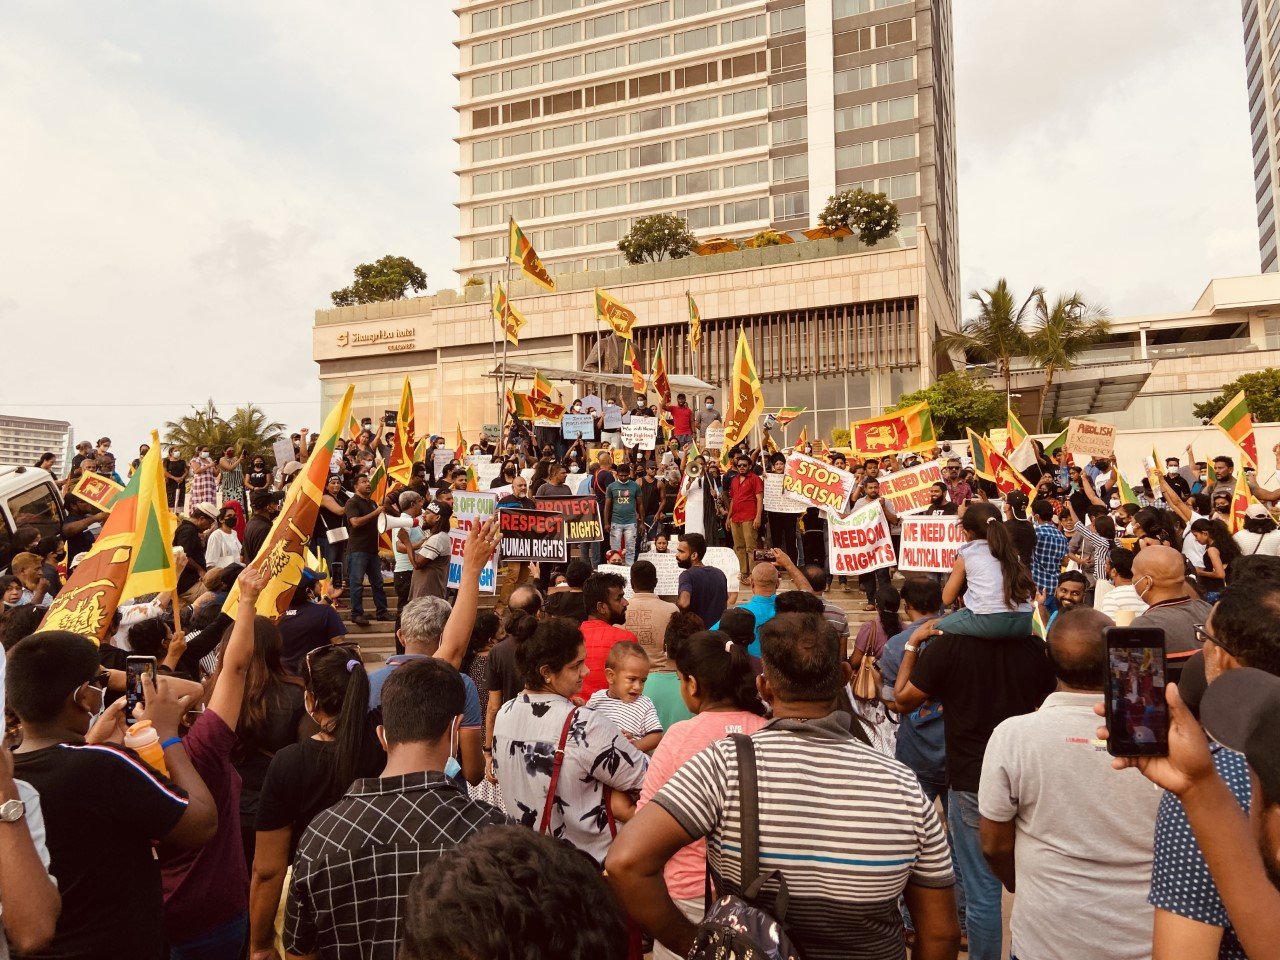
<point x="911" y="647"/>
<point x="11" y="811"/>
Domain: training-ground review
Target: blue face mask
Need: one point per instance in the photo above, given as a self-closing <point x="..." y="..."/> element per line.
<point x="452" y="768"/>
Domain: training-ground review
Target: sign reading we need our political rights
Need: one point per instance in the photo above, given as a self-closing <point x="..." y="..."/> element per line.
<point x="816" y="483"/>
<point x="930" y="544"/>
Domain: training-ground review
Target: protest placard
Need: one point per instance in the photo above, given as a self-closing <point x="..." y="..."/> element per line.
<point x="440" y="458"/>
<point x="908" y="490"/>
<point x="535" y="535"/>
<point x="815" y="483"/>
<point x="1089" y="438"/>
<point x="722" y="558"/>
<point x="641" y="432"/>
<point x="577" y="426"/>
<point x="491" y="430"/>
<point x="471" y="508"/>
<point x="282" y="450"/>
<point x="613" y="416"/>
<point x="860" y="542"/>
<point x="486" y="471"/>
<point x="96" y="489"/>
<point x="715" y="438"/>
<point x="726" y="561"/>
<point x="775" y="500"/>
<point x="929" y="544"/>
<point x="581" y="517"/>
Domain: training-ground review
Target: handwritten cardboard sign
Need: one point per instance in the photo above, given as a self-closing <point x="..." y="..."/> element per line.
<point x="1090" y="439"/>
<point x="775" y="498"/>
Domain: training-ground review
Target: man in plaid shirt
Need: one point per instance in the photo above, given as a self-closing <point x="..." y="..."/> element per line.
<point x="357" y="859"/>
<point x="1051" y="546"/>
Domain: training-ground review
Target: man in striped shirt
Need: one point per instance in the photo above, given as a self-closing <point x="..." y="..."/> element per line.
<point x="847" y="827"/>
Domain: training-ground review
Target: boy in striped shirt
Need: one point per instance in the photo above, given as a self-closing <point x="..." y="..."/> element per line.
<point x="623" y="701"/>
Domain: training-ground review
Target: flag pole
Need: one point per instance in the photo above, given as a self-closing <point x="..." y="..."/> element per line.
<point x="493" y="326"/>
<point x="502" y="419"/>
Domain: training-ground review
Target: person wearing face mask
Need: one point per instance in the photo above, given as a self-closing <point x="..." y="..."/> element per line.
<point x="358" y="857"/>
<point x="204" y="478"/>
<point x="103" y="808"/>
<point x="705" y="417"/>
<point x="223" y="547"/>
<point x="175" y="478"/>
<point x="1175" y="480"/>
<point x="1159" y="579"/>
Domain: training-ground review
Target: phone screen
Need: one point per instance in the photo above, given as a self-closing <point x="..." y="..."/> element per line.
<point x="135" y="669"/>
<point x="1137" y="714"/>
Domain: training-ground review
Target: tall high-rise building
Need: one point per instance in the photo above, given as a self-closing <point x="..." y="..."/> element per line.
<point x="1262" y="67"/>
<point x="24" y="439"/>
<point x="577" y="117"/>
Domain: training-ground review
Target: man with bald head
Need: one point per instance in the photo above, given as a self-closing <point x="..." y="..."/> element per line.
<point x="1042" y="775"/>
<point x="763" y="602"/>
<point x="1159" y="577"/>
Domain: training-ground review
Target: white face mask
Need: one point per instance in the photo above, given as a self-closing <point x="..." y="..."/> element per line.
<point x="452" y="768"/>
<point x="1171" y="471"/>
<point x="96" y="715"/>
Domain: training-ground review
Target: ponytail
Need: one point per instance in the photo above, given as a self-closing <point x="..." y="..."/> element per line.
<point x="983" y="521"/>
<point x="722" y="667"/>
<point x="888" y="603"/>
<point x="337" y="680"/>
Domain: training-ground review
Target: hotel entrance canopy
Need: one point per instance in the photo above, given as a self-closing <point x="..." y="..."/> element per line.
<point x="1083" y="391"/>
<point x="678" y="381"/>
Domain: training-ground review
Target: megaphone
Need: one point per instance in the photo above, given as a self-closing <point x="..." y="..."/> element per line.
<point x="386" y="523"/>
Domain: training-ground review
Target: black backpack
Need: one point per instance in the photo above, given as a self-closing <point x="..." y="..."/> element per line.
<point x="733" y="927"/>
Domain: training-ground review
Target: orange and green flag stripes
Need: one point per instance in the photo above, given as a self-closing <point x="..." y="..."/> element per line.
<point x="978" y="447"/>
<point x="284" y="553"/>
<point x="519" y="405"/>
<point x="542" y="388"/>
<point x="661" y="383"/>
<point x="610" y="311"/>
<point x="400" y="462"/>
<point x="152" y="569"/>
<point x="695" y="323"/>
<point x="510" y="319"/>
<point x="1237" y="423"/>
<point x="522" y="252"/>
<point x="787" y="414"/>
<point x="746" y="400"/>
<point x="910" y="428"/>
<point x="632" y="363"/>
<point x="1016" y="431"/>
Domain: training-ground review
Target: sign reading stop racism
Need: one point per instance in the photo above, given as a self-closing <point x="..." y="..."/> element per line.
<point x="860" y="542"/>
<point x="816" y="483"/>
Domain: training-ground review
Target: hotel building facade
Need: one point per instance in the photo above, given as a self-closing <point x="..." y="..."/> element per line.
<point x="1262" y="72"/>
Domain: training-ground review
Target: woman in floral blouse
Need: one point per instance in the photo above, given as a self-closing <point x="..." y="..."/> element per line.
<point x="601" y="772"/>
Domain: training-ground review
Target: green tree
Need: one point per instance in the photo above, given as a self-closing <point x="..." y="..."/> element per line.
<point x="998" y="333"/>
<point x="1262" y="388"/>
<point x="248" y="428"/>
<point x="871" y="216"/>
<point x="767" y="238"/>
<point x="1060" y="334"/>
<point x="388" y="278"/>
<point x="657" y="237"/>
<point x="958" y="400"/>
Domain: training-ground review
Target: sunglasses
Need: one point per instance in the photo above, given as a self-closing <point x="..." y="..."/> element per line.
<point x="350" y="648"/>
<point x="100" y="680"/>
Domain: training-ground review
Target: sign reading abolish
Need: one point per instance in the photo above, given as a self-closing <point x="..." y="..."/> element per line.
<point x="860" y="542"/>
<point x="471" y="508"/>
<point x="929" y="544"/>
<point x="581" y="517"/>
<point x="775" y="501"/>
<point x="1089" y="438"/>
<point x="908" y="490"/>
<point x="641" y="432"/>
<point x="814" y="482"/>
<point x="535" y="535"/>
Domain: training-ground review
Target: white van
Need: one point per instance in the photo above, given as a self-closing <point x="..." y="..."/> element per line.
<point x="29" y="497"/>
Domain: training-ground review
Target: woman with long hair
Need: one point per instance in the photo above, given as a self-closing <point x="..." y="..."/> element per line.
<point x="304" y="778"/>
<point x="543" y="721"/>
<point x="1260" y="536"/>
<point x="1151" y="527"/>
<point x="718" y="685"/>
<point x="996" y="584"/>
<point x="1219" y="550"/>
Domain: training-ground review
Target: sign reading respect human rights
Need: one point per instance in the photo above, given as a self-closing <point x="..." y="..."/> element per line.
<point x="816" y="483"/>
<point x="533" y="535"/>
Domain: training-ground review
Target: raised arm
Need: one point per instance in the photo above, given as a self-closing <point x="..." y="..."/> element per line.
<point x="228" y="693"/>
<point x="482" y="543"/>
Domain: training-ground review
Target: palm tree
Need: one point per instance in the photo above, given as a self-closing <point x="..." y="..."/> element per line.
<point x="203" y="427"/>
<point x="249" y="429"/>
<point x="1060" y="334"/>
<point x="998" y="333"/>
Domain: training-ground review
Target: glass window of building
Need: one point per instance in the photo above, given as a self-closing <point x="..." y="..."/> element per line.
<point x="520" y="44"/>
<point x="606" y="231"/>
<point x="654" y="119"/>
<point x="561" y="35"/>
<point x="899" y="31"/>
<point x="791" y="206"/>
<point x="743" y="138"/>
<point x="694" y="111"/>
<point x="602" y="197"/>
<point x="701" y="218"/>
<point x="606" y="59"/>
<point x="702" y="145"/>
<point x="605" y="25"/>
<point x="697" y="39"/>
<point x="519" y="12"/>
<point x="605" y="128"/>
<point x="795" y="167"/>
<point x="520" y="77"/>
<point x="562" y="204"/>
<point x="743" y="101"/>
<point x="789" y="131"/>
<point x="745" y="211"/>
<point x="610" y="161"/>
<point x="855" y="155"/>
<point x="484" y="52"/>
<point x="561" y="170"/>
<point x="523" y="209"/>
<point x="650" y="154"/>
<point x="484" y="85"/>
<point x="560" y="238"/>
<point x="519" y="143"/>
<point x="566" y="136"/>
<point x="744" y="29"/>
<point x="846" y="81"/>
<point x="895" y="71"/>
<point x="853" y="118"/>
<point x="562" y="69"/>
<point x="646" y="190"/>
<point x="482" y="150"/>
<point x="691" y="8"/>
<point x="518" y="177"/>
<point x="900" y="108"/>
<point x="899" y="188"/>
<point x="484" y="20"/>
<point x="646" y="50"/>
<point x="699" y="182"/>
<point x="789" y="94"/>
<point x="742" y="174"/>
<point x="786" y="21"/>
<point x="649" y="14"/>
<point x="485" y="249"/>
<point x="484" y="183"/>
<point x="896" y="148"/>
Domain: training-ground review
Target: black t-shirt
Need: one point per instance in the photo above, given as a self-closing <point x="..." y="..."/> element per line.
<point x="305" y="626"/>
<point x="173" y="468"/>
<point x="284" y="712"/>
<point x="948" y="509"/>
<point x="102" y="810"/>
<point x="504" y="674"/>
<point x="364" y="539"/>
<point x="708" y="593"/>
<point x="187" y="536"/>
<point x="980" y="682"/>
<point x="1024" y="538"/>
<point x="568" y="604"/>
<point x="257" y="479"/>
<point x="599" y="484"/>
<point x="299" y="784"/>
<point x="255" y="535"/>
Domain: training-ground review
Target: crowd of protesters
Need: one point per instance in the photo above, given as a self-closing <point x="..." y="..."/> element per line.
<point x="593" y="770"/>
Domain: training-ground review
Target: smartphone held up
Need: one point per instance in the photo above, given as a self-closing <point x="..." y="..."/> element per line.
<point x="135" y="669"/>
<point x="1137" y="713"/>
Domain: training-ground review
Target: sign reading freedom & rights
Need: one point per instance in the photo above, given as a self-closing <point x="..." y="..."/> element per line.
<point x="860" y="542"/>
<point x="814" y="482"/>
<point x="581" y="515"/>
<point x="930" y="544"/>
<point x="533" y="535"/>
<point x="908" y="490"/>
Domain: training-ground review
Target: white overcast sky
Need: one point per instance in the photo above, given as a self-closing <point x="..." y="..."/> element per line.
<point x="184" y="183"/>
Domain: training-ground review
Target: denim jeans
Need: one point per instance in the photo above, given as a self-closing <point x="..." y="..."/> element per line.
<point x="990" y="625"/>
<point x="620" y="534"/>
<point x="358" y="564"/>
<point x="982" y="891"/>
<point x="220" y="943"/>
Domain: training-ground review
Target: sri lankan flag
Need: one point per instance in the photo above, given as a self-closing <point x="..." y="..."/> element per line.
<point x="284" y="554"/>
<point x="1240" y="499"/>
<point x="1123" y="490"/>
<point x="545" y="408"/>
<point x="354" y="429"/>
<point x="660" y="381"/>
<point x="632" y="363"/>
<point x="1006" y="476"/>
<point x="802" y="439"/>
<point x="519" y="405"/>
<point x="1016" y="431"/>
<point x="1237" y="423"/>
<point x="138" y="532"/>
<point x="908" y="429"/>
<point x="746" y="401"/>
<point x="542" y="388"/>
<point x="460" y="448"/>
<point x="1037" y="623"/>
<point x="695" y="323"/>
<point x="1056" y="444"/>
<point x="612" y="312"/>
<point x="522" y="252"/>
<point x="510" y="319"/>
<point x="400" y="462"/>
<point x="787" y="414"/>
<point x="978" y="447"/>
<point x="378" y="493"/>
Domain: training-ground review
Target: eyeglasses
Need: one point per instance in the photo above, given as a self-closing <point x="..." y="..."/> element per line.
<point x="100" y="680"/>
<point x="1203" y="635"/>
